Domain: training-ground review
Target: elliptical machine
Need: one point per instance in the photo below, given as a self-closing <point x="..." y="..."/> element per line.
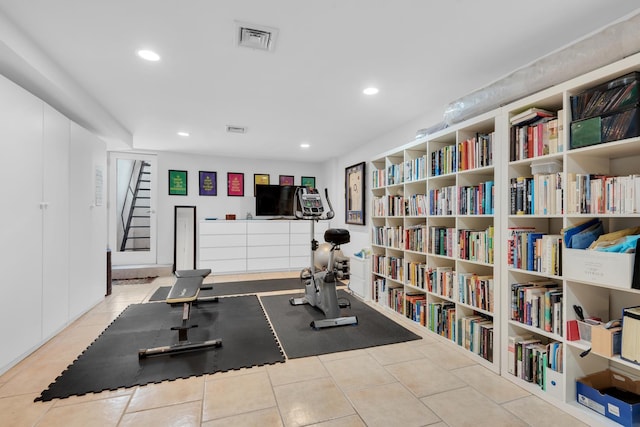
<point x="320" y="285"/>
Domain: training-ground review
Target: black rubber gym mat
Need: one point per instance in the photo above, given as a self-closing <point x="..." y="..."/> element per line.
<point x="111" y="361"/>
<point x="237" y="288"/>
<point x="292" y="326"/>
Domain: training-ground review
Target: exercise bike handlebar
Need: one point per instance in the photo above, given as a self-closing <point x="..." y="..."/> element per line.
<point x="330" y="212"/>
<point x="315" y="216"/>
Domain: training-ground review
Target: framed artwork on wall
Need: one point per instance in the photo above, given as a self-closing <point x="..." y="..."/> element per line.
<point x="286" y="179"/>
<point x="177" y="182"/>
<point x="354" y="191"/>
<point x="260" y="179"/>
<point x="308" y="181"/>
<point x="235" y="184"/>
<point x="208" y="183"/>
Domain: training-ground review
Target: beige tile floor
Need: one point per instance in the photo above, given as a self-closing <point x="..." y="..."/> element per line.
<point x="420" y="383"/>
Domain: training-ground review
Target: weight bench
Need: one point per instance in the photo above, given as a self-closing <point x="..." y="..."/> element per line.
<point x="185" y="291"/>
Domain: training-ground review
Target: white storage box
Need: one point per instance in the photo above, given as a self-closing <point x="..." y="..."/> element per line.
<point x="602" y="268"/>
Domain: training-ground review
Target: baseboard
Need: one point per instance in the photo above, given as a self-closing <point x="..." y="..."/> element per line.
<point x="120" y="272"/>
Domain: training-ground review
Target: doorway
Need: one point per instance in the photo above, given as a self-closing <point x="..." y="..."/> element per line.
<point x="132" y="211"/>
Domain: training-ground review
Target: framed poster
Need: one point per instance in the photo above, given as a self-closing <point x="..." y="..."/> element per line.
<point x="235" y="184"/>
<point x="354" y="191"/>
<point x="208" y="183"/>
<point x="286" y="179"/>
<point x="308" y="181"/>
<point x="177" y="183"/>
<point x="260" y="179"/>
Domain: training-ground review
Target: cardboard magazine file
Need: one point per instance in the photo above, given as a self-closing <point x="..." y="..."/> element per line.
<point x="611" y="394"/>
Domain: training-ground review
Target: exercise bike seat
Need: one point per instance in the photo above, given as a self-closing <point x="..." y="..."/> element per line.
<point x="337" y="236"/>
<point x="203" y="272"/>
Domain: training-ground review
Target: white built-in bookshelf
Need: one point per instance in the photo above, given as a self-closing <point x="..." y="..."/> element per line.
<point x="433" y="227"/>
<point x="467" y="251"/>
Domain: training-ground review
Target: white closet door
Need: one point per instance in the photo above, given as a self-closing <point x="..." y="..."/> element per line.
<point x="20" y="221"/>
<point x="87" y="221"/>
<point x="55" y="239"/>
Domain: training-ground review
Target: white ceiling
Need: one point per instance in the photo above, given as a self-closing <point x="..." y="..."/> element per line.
<point x="421" y="54"/>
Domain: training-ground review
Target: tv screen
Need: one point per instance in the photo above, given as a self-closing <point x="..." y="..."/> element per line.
<point x="275" y="200"/>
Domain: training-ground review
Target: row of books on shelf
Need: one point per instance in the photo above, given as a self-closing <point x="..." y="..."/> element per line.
<point x="416" y="238"/>
<point x="539" y="133"/>
<point x="541" y="194"/>
<point x="390" y="236"/>
<point x="476" y="199"/>
<point x="603" y="194"/>
<point x="473" y="332"/>
<point x="538" y="304"/>
<point x="471" y="245"/>
<point x="468" y="288"/>
<point x="388" y="206"/>
<point x="408" y="171"/>
<point x="528" y="249"/>
<point x="476" y="245"/>
<point x="530" y="359"/>
<point x="473" y="153"/>
<point x="442" y="201"/>
<point x="388" y="266"/>
<point x="476" y="335"/>
<point x="416" y="205"/>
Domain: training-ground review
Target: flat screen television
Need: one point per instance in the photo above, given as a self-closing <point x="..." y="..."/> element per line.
<point x="275" y="200"/>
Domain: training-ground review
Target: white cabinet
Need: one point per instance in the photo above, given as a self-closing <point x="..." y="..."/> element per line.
<point x="55" y="236"/>
<point x="267" y="245"/>
<point x="360" y="277"/>
<point x="256" y="245"/>
<point x="223" y="246"/>
<point x="21" y="174"/>
<point x="42" y="189"/>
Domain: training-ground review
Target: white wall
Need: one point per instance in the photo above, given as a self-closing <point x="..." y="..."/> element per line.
<point x="360" y="235"/>
<point x="220" y="205"/>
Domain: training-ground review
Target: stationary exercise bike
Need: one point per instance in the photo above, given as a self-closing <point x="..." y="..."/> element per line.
<point x="319" y="284"/>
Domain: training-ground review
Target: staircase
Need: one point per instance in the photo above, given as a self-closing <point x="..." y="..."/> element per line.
<point x="137" y="210"/>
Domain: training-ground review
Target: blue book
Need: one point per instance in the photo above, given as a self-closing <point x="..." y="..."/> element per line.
<point x="531" y="244"/>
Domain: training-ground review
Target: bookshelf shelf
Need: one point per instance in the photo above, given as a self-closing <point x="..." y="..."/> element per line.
<point x="543" y="147"/>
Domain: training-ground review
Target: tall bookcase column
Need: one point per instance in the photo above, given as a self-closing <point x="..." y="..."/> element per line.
<point x="533" y="288"/>
<point x="600" y="283"/>
<point x="553" y="189"/>
<point x="447" y="224"/>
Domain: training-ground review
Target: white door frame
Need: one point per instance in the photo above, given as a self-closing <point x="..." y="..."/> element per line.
<point x="132" y="257"/>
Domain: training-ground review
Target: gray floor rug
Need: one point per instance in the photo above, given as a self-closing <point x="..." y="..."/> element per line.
<point x="111" y="361"/>
<point x="298" y="339"/>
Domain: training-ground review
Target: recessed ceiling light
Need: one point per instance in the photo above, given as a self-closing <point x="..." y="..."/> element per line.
<point x="370" y="91"/>
<point x="305" y="145"/>
<point x="149" y="55"/>
<point x="181" y="133"/>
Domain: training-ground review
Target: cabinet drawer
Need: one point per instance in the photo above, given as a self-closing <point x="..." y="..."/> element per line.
<point x="299" y="262"/>
<point x="281" y="263"/>
<point x="223" y="227"/>
<point x="223" y="253"/>
<point x="268" y="240"/>
<point x="268" y="227"/>
<point x="223" y="241"/>
<point x="224" y="266"/>
<point x="267" y="251"/>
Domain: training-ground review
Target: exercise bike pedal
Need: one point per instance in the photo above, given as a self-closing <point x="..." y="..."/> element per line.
<point x="344" y="304"/>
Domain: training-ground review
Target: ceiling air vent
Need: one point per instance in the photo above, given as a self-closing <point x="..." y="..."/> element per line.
<point x="236" y="129"/>
<point x="256" y="36"/>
